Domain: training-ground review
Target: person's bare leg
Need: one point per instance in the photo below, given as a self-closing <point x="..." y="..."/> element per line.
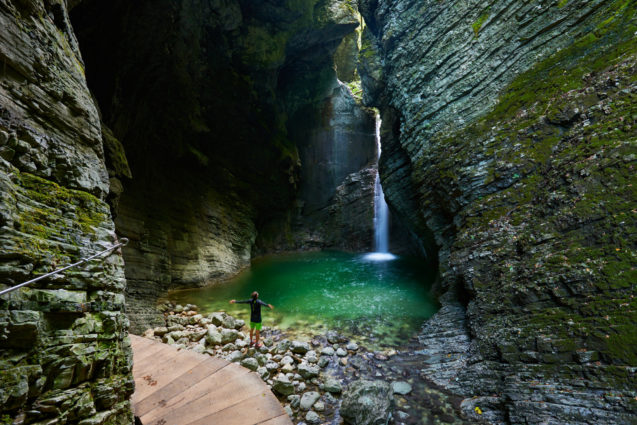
<point x="256" y="344"/>
<point x="251" y="332"/>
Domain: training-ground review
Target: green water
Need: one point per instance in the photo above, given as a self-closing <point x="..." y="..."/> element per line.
<point x="379" y="302"/>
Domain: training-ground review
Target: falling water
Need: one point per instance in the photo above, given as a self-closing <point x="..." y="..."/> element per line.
<point x="381" y="214"/>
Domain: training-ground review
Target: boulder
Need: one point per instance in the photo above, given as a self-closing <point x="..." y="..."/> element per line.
<point x="213" y="337"/>
<point x="235" y="356"/>
<point x="367" y="403"/>
<point x="217" y="318"/>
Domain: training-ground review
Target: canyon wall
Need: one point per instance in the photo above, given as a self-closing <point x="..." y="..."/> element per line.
<point x="509" y="136"/>
<point x="208" y="112"/>
<point x="64" y="350"/>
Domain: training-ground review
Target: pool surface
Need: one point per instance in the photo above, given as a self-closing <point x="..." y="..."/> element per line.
<point x="380" y="301"/>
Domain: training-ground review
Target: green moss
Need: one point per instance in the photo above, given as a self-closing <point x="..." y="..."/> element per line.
<point x="477" y="25"/>
<point x="562" y="3"/>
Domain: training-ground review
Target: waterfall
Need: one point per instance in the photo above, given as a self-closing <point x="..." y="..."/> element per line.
<point x="381" y="213"/>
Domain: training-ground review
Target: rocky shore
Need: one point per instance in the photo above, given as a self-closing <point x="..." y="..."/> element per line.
<point x="328" y="380"/>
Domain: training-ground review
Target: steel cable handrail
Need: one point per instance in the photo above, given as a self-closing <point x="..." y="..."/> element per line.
<point x="124" y="242"/>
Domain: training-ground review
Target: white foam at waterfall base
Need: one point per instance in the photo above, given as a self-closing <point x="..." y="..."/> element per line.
<point x="379" y="256"/>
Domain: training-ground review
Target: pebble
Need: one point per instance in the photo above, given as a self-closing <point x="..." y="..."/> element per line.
<point x="401" y="387"/>
<point x="323" y="361"/>
<point x="319" y="406"/>
<point x="327" y="351"/>
<point x="341" y="353"/>
<point x="352" y="346"/>
<point x="312" y="417"/>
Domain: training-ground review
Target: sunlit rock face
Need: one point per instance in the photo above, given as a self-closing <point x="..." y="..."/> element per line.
<point x="509" y="134"/>
<point x="64" y="350"/>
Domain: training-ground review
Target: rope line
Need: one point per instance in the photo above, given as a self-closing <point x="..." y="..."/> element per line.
<point x="124" y="242"/>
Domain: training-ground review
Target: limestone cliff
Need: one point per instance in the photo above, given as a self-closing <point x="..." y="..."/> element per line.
<point x="510" y="136"/>
<point x="64" y="350"/>
<point x="208" y="111"/>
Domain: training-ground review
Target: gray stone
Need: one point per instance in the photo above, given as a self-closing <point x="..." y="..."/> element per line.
<point x="341" y="353"/>
<point x="312" y="418"/>
<point x="367" y="402"/>
<point x="229" y="335"/>
<point x="213" y="337"/>
<point x="332" y="385"/>
<point x="323" y="361"/>
<point x="352" y="346"/>
<point x="308" y="399"/>
<point x="294" y="400"/>
<point x="235" y="356"/>
<point x="282" y="385"/>
<point x="319" y="406"/>
<point x="299" y="347"/>
<point x="327" y="351"/>
<point x="308" y="371"/>
<point x="401" y="387"/>
<point x="250" y="363"/>
<point x="263" y="373"/>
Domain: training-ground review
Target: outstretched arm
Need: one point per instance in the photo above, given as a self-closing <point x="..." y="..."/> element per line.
<point x="266" y="304"/>
<point x="240" y="302"/>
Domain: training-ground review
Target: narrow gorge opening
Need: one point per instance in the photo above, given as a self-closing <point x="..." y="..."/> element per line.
<point x="236" y="144"/>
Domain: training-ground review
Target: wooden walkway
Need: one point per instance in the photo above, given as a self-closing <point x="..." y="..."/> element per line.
<point x="180" y="387"/>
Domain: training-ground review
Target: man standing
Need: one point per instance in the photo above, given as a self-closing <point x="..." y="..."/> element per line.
<point x="255" y="315"/>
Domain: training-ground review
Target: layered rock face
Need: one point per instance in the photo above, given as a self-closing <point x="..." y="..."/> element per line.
<point x="208" y="114"/>
<point x="510" y="136"/>
<point x="64" y="351"/>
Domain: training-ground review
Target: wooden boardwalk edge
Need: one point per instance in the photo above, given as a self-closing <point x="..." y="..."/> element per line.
<point x="181" y="387"/>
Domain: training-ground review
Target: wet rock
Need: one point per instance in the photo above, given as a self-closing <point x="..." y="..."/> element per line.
<point x="282" y="347"/>
<point x="298" y="347"/>
<point x="271" y="366"/>
<point x="160" y="331"/>
<point x="213" y="337"/>
<point x="367" y="403"/>
<point x="235" y="356"/>
<point x="308" y="399"/>
<point x="263" y="373"/>
<point x="308" y="371"/>
<point x="401" y="387"/>
<point x="332" y="385"/>
<point x="282" y="385"/>
<point x="250" y="363"/>
<point x="294" y="400"/>
<point x="327" y="351"/>
<point x="312" y="418"/>
<point x="229" y="335"/>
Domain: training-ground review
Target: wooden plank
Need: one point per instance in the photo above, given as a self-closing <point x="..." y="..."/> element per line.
<point x="163" y="374"/>
<point x="209" y="398"/>
<point x="148" y="352"/>
<point x="149" y="364"/>
<point x="177" y="386"/>
<point x="284" y="419"/>
<point x="253" y="410"/>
